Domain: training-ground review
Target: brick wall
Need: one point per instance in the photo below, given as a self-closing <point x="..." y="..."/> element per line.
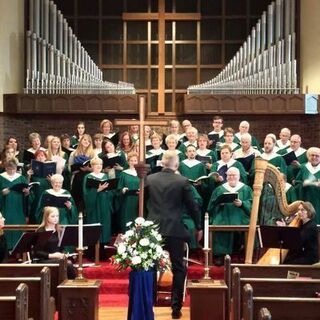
<point x="308" y="126"/>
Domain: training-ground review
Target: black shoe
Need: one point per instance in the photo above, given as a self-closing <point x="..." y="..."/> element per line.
<point x="176" y="314"/>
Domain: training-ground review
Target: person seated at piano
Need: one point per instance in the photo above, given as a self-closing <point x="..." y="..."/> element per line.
<point x="284" y="141"/>
<point x="13" y="142"/>
<point x="79" y="166"/>
<point x="307" y="252"/>
<point x="98" y="200"/>
<point x="3" y="241"/>
<point x="300" y="153"/>
<point x="126" y="144"/>
<point x="192" y="136"/>
<point x="171" y="143"/>
<point x="108" y="153"/>
<point x="230" y="204"/>
<point x="13" y="190"/>
<point x="307" y="182"/>
<point x="203" y="151"/>
<point x="106" y="129"/>
<point x="50" y="252"/>
<point x="228" y="137"/>
<point x="60" y="198"/>
<point x="66" y="144"/>
<point x="128" y="188"/>
<point x="175" y="129"/>
<point x="217" y="124"/>
<point x="35" y="142"/>
<point x="80" y="131"/>
<point x="192" y="168"/>
<point x="37" y="190"/>
<point x="244" y="127"/>
<point x="221" y="167"/>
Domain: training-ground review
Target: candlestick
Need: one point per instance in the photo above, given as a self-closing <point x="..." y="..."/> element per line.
<point x="80" y="231"/>
<point x="206" y="230"/>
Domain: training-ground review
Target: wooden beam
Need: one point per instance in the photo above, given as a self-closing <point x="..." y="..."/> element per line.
<point x="140" y="16"/>
<point x="161" y="56"/>
<point x="182" y="16"/>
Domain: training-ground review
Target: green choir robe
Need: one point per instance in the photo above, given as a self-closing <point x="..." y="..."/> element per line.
<point x="254" y="140"/>
<point x="128" y="203"/>
<point x="66" y="216"/>
<point x="309" y="192"/>
<point x="229" y="214"/>
<point x="98" y="206"/>
<point x="276" y="160"/>
<point x="292" y="171"/>
<point x="183" y="146"/>
<point x="192" y="169"/>
<point x="208" y="153"/>
<point x="179" y="154"/>
<point x="13" y="205"/>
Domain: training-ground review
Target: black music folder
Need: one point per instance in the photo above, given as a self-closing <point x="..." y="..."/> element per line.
<point x="110" y="162"/>
<point x="18" y="187"/>
<point x="77" y="166"/>
<point x="247" y="161"/>
<point x="204" y="159"/>
<point x="43" y="169"/>
<point x="227" y="197"/>
<point x="115" y="139"/>
<point x="27" y="156"/>
<point x="55" y="201"/>
<point x="94" y="183"/>
<point x="69" y="235"/>
<point x="290" y="157"/>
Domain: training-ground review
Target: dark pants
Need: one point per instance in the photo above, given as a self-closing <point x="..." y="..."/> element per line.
<point x="175" y="247"/>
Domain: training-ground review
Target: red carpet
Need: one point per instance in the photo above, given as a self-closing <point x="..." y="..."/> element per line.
<point x="114" y="288"/>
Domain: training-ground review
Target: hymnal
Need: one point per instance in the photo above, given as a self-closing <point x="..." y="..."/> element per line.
<point x="55" y="201"/>
<point x="152" y="160"/>
<point x="112" y="184"/>
<point x="211" y="174"/>
<point x="27" y="156"/>
<point x="227" y="197"/>
<point x="115" y="139"/>
<point x="43" y="169"/>
<point x="204" y="159"/>
<point x="148" y="148"/>
<point x="290" y="157"/>
<point x="67" y="151"/>
<point x="95" y="183"/>
<point x="110" y="162"/>
<point x="77" y="166"/>
<point x="223" y="172"/>
<point x="20" y="186"/>
<point x="247" y="161"/>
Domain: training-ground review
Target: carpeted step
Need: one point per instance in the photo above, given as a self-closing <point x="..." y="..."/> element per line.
<point x="113" y="300"/>
<point x="114" y="286"/>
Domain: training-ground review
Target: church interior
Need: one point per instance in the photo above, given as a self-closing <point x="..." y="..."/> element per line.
<point x="231" y="85"/>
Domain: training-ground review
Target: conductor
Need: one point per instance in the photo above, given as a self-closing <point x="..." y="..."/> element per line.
<point x="167" y="194"/>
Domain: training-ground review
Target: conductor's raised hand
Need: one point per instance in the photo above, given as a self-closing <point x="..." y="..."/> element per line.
<point x="102" y="186"/>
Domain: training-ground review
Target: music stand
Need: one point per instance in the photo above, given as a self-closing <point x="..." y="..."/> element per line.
<point x="69" y="235"/>
<point x="281" y="237"/>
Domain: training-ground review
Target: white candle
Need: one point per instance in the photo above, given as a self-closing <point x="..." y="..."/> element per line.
<point x="206" y="231"/>
<point x="80" y="231"/>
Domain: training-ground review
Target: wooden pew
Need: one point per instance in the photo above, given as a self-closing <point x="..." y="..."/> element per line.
<point x="58" y="272"/>
<point x="270" y="287"/>
<point x="15" y="307"/>
<point x="264" y="314"/>
<point x="41" y="304"/>
<point x="281" y="308"/>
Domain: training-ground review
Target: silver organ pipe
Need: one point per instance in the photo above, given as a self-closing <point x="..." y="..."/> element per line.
<point x="266" y="61"/>
<point x="56" y="61"/>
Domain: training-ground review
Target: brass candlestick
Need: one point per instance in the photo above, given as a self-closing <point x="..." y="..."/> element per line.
<point x="206" y="275"/>
<point x="80" y="276"/>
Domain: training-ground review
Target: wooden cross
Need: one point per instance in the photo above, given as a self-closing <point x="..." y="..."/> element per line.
<point x="142" y="168"/>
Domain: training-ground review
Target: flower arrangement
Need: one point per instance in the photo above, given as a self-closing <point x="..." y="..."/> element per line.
<point x="140" y="248"/>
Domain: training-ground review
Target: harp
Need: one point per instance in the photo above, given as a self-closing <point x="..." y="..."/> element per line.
<point x="266" y="173"/>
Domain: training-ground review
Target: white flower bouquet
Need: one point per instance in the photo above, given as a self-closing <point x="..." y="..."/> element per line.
<point x="140" y="248"/>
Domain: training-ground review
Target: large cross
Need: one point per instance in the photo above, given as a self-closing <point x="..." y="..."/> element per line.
<point x="142" y="168"/>
<point x="161" y="16"/>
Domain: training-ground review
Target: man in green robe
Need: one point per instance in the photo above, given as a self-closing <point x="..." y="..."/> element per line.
<point x="234" y="213"/>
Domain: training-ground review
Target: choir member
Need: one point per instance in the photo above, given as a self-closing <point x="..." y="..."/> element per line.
<point x="80" y="158"/>
<point x="217" y="124"/>
<point x="203" y="151"/>
<point x="148" y="133"/>
<point x="234" y="213"/>
<point x="271" y="156"/>
<point x="97" y="143"/>
<point x="126" y="144"/>
<point x="8" y="154"/>
<point x="174" y="129"/>
<point x="192" y="136"/>
<point x="244" y="128"/>
<point x="106" y="128"/>
<point x="246" y="147"/>
<point x="228" y="137"/>
<point x="301" y="155"/>
<point x="128" y="187"/>
<point x="12" y="201"/>
<point x="171" y="143"/>
<point x="50" y="252"/>
<point x="66" y="144"/>
<point x="307" y="251"/>
<point x="156" y="145"/>
<point x="47" y="141"/>
<point x="68" y="213"/>
<point x="98" y="200"/>
<point x="186" y="124"/>
<point x="134" y="133"/>
<point x="35" y="142"/>
<point x="284" y="141"/>
<point x="308" y="180"/>
<point x="3" y="241"/>
<point x="13" y="142"/>
<point x="81" y="130"/>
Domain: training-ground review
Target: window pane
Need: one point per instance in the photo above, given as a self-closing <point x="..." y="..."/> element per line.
<point x="154" y="30"/>
<point x="88" y="29"/>
<point x="169" y="54"/>
<point x="138" y="77"/>
<point x="66" y="7"/>
<point x="169" y="5"/>
<point x="113" y="75"/>
<point x="168" y="35"/>
<point x="112" y="29"/>
<point x="236" y="29"/>
<point x="238" y="7"/>
<point x="186" y="54"/>
<point x="186" y="30"/>
<point x="111" y="7"/>
<point x="186" y="5"/>
<point x="211" y="29"/>
<point x="87" y="8"/>
<point x="154" y="5"/>
<point x="112" y="54"/>
<point x="210" y="54"/>
<point x="93" y="51"/>
<point x="154" y="102"/>
<point x="257" y="7"/>
<point x="208" y="74"/>
<point x="168" y="80"/>
<point x="231" y="50"/>
<point x="137" y="6"/>
<point x="137" y="54"/>
<point x="185" y="77"/>
<point x="154" y="78"/>
<point x="210" y="7"/>
<point x="168" y="102"/>
<point x="154" y="54"/>
<point x="137" y="30"/>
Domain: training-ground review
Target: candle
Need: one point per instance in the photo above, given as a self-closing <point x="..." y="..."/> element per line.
<point x="206" y="231"/>
<point x="80" y="231"/>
